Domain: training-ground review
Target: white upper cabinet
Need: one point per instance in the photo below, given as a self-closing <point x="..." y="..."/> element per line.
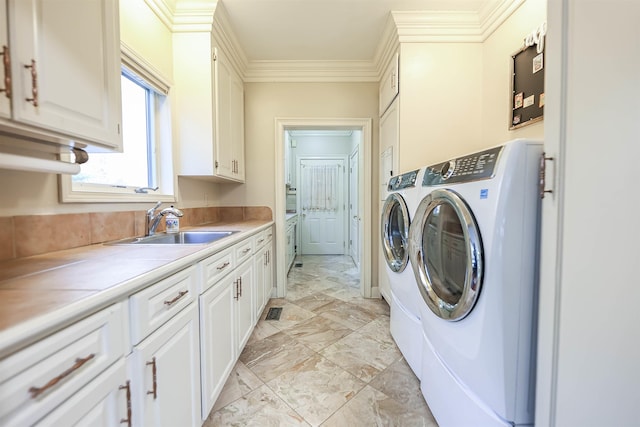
<point x="209" y="109"/>
<point x="389" y="84"/>
<point x="5" y="97"/>
<point x="65" y="71"/>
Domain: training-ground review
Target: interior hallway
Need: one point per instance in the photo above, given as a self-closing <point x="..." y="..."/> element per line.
<point x="329" y="361"/>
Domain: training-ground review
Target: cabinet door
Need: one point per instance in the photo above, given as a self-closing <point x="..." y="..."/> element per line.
<point x="223" y="136"/>
<point x="236" y="108"/>
<point x="244" y="303"/>
<point x="259" y="265"/>
<point x="65" y="58"/>
<point x="389" y="84"/>
<point x="166" y="374"/>
<point x="268" y="272"/>
<point x="102" y="403"/>
<point x="5" y="102"/>
<point x="217" y="338"/>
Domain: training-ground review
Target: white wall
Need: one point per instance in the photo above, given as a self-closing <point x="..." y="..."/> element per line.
<point x="440" y="94"/>
<point x="496" y="75"/>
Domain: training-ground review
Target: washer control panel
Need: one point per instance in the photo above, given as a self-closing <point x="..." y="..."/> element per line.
<point x="472" y="167"/>
<point x="400" y="182"/>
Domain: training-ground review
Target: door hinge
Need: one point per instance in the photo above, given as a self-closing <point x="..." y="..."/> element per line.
<point x="216" y="163"/>
<point x="542" y="177"/>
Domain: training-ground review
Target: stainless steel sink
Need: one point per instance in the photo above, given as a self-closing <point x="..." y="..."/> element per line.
<point x="181" y="238"/>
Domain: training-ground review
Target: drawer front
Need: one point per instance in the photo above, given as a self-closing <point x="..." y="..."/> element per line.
<point x="153" y="306"/>
<point x="260" y="239"/>
<point x="39" y="378"/>
<point x="244" y="250"/>
<point x="216" y="267"/>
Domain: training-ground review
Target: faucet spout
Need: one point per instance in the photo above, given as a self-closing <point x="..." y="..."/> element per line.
<point x="153" y="219"/>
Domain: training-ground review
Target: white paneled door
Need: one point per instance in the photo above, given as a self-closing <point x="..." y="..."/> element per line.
<point x="322" y="205"/>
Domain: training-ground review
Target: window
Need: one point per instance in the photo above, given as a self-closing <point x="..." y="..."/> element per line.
<point x="143" y="171"/>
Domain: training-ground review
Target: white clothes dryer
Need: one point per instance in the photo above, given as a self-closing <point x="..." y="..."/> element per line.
<point x="397" y="211"/>
<point x="474" y="246"/>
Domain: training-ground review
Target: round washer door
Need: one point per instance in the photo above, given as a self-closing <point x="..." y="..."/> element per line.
<point x="446" y="254"/>
<point x="395" y="232"/>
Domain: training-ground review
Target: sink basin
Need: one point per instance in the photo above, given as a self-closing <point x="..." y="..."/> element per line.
<point x="181" y="238"/>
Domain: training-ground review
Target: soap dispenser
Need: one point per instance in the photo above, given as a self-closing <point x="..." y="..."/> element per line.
<point x="172" y="223"/>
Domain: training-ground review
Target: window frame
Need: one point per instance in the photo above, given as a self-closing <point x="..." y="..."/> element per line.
<point x="137" y="68"/>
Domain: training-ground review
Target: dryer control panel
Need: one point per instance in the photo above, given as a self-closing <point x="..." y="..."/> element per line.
<point x="472" y="167"/>
<point x="406" y="180"/>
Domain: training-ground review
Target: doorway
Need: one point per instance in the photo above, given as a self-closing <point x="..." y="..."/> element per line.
<point x="363" y="128"/>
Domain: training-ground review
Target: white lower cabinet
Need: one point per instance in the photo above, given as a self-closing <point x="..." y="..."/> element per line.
<point x="165" y="374"/>
<point x="158" y="358"/>
<point x="217" y="340"/>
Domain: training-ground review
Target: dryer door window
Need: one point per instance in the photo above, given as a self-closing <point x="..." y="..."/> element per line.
<point x="446" y="254"/>
<point x="395" y="232"/>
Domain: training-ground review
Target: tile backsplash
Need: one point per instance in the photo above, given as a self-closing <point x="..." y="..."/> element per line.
<point x="23" y="236"/>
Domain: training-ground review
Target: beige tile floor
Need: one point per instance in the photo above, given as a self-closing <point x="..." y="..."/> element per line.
<point x="329" y="361"/>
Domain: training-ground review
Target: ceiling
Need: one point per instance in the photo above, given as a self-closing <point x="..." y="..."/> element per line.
<point x="326" y="30"/>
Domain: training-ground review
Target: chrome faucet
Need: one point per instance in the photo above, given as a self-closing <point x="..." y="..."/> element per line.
<point x="153" y="219"/>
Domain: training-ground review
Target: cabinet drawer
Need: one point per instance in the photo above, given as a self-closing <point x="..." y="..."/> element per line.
<point x="244" y="250"/>
<point x="216" y="267"/>
<point x="153" y="306"/>
<point x="39" y="378"/>
<point x="262" y="238"/>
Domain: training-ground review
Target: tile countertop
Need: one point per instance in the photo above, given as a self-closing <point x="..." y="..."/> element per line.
<point x="43" y="293"/>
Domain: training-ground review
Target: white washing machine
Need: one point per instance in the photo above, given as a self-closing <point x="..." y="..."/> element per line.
<point x="397" y="211"/>
<point x="474" y="245"/>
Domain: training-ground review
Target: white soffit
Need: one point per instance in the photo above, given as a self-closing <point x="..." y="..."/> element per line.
<point x="330" y="40"/>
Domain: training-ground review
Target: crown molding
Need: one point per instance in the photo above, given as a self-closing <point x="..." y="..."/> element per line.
<point x="311" y="71"/>
<point x="401" y="27"/>
<point x="453" y="26"/>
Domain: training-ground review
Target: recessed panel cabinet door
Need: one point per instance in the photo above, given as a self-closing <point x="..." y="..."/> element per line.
<point x="65" y="60"/>
<point x="166" y="374"/>
<point x="218" y="353"/>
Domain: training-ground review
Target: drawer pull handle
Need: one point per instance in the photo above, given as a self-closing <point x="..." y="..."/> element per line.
<point x="34" y="83"/>
<point x="37" y="391"/>
<point x="128" y="419"/>
<point x="223" y="266"/>
<point x="246" y="251"/>
<point x="237" y="295"/>
<point x="6" y="60"/>
<point x="155" y="378"/>
<point x="173" y="301"/>
<point x="261" y="240"/>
